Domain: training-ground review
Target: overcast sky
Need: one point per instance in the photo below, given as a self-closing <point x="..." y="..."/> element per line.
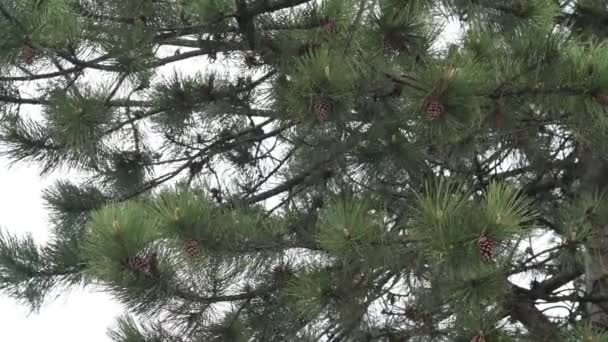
<point x="79" y="316"/>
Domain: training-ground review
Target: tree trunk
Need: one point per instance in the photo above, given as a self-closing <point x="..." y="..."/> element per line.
<point x="595" y="178"/>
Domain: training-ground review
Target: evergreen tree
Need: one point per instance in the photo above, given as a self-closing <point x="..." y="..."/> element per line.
<point x="316" y="170"/>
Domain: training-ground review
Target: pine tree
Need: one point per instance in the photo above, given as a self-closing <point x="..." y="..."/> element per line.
<point x="329" y="170"/>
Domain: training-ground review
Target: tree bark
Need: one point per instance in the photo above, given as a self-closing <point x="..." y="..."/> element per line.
<point x="595" y="178"/>
<point x="522" y="308"/>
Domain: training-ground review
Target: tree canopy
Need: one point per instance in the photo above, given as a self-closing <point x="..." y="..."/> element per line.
<point x="332" y="170"/>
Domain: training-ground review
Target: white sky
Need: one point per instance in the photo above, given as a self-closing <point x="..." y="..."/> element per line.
<point x="79" y="316"/>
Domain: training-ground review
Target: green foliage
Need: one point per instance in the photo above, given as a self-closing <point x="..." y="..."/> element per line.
<point x="585" y="332"/>
<point x="188" y="214"/>
<point x="179" y="97"/>
<point x="352" y="231"/>
<point x="13" y="36"/>
<point x="77" y="122"/>
<point x="31" y="274"/>
<point x="208" y="11"/>
<point x="131" y="51"/>
<point x="21" y="260"/>
<point x="508" y="14"/>
<point x="307" y="293"/>
<point x="323" y="71"/>
<point x="231" y="328"/>
<point x="54" y="23"/>
<point x="404" y="27"/>
<point x="339" y="10"/>
<point x="70" y="206"/>
<point x="506" y="211"/>
<point x="129" y="170"/>
<point x="286" y="322"/>
<point x="185" y="213"/>
<point x="127" y="330"/>
<point x="321" y="74"/>
<point x="40" y="24"/>
<point x="117" y="233"/>
<point x="583" y="77"/>
<point x="536" y="14"/>
<point x="449" y="220"/>
<point x="437" y="212"/>
<point x="478" y="319"/>
<point x="29" y="141"/>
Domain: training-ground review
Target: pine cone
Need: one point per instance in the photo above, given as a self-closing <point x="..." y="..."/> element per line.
<point x="519" y="8"/>
<point x="329" y="25"/>
<point x="139" y="264"/>
<point x="251" y="60"/>
<point x="433" y="109"/>
<point x="499" y="117"/>
<point x="143" y="263"/>
<point x="602" y="98"/>
<point x="27" y="54"/>
<point x="191" y="248"/>
<point x="485" y="246"/>
<point x="481" y="337"/>
<point x="395" y="41"/>
<point x="321" y="108"/>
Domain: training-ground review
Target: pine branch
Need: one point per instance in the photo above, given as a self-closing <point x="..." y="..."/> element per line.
<point x="192" y="30"/>
<point x="87" y="64"/>
<point x="11" y="18"/>
<point x="217" y="147"/>
<point x="544" y="289"/>
<point x="206" y="45"/>
<point x="312" y="175"/>
<point x="522" y="309"/>
<point x="270" y="174"/>
<point x="268" y="6"/>
<point x="119" y="68"/>
<point x="408" y="81"/>
<point x="21" y="100"/>
<point x="534" y="91"/>
<point x="42" y="76"/>
<point x="90" y="15"/>
<point x="42" y="101"/>
<point x="303" y="178"/>
<point x="226" y="298"/>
